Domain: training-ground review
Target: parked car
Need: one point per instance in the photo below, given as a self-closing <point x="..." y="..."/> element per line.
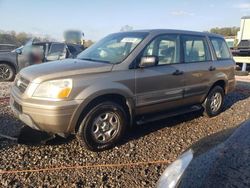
<point x="34" y="53"/>
<point x="243" y="49"/>
<point x="220" y="160"/>
<point x="127" y="77"/>
<point x="7" y="47"/>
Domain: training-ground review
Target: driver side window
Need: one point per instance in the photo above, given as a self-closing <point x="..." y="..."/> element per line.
<point x="166" y="48"/>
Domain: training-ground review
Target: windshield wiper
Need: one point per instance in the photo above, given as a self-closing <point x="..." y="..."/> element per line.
<point x="95" y="60"/>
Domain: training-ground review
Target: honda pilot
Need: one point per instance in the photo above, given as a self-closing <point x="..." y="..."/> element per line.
<point x="125" y="78"/>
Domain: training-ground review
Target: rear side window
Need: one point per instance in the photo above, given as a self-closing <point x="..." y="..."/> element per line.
<point x="220" y="48"/>
<point x="195" y="49"/>
<point x="57" y="48"/>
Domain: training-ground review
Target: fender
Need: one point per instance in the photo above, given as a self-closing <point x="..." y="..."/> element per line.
<point x="98" y="90"/>
<point x="9" y="58"/>
<point x="217" y="78"/>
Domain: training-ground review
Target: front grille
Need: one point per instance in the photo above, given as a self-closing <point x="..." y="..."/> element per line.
<point x="22" y="84"/>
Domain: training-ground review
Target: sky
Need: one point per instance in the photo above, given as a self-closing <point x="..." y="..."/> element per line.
<point x="97" y="18"/>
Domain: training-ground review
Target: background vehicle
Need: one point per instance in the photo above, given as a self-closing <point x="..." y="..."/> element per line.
<point x="220" y="160"/>
<point x="7" y="47"/>
<point x="243" y="48"/>
<point x="34" y="53"/>
<point x="241" y="52"/>
<point x="127" y="77"/>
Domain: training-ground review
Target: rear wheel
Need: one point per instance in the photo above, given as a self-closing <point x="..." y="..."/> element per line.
<point x="213" y="104"/>
<point x="102" y="127"/>
<point x="7" y="73"/>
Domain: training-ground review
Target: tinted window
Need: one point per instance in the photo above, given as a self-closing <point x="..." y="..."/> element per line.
<point x="166" y="48"/>
<point x="195" y="49"/>
<point x="72" y="49"/>
<point x="57" y="48"/>
<point x="220" y="48"/>
<point x="75" y="49"/>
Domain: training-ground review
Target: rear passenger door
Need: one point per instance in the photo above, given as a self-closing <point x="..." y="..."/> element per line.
<point x="197" y="67"/>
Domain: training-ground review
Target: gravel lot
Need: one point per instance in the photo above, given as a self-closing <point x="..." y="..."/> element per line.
<point x="161" y="140"/>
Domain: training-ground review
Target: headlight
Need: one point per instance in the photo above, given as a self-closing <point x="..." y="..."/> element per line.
<point x="171" y="176"/>
<point x="54" y="89"/>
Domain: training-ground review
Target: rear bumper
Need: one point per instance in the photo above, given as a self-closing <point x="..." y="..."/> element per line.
<point x="49" y="116"/>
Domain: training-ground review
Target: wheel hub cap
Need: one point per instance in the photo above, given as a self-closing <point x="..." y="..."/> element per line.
<point x="216" y="101"/>
<point x="4" y="72"/>
<point x="105" y="127"/>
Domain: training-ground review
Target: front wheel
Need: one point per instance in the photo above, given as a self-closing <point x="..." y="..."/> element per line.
<point x="213" y="104"/>
<point x="102" y="127"/>
<point x="7" y="73"/>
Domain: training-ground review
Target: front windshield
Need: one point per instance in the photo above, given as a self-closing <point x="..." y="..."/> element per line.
<point x="113" y="48"/>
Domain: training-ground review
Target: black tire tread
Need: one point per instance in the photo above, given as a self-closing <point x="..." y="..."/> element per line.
<point x="207" y="112"/>
<point x="81" y="134"/>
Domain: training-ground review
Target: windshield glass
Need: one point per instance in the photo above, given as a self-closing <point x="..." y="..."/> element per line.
<point x="114" y="48"/>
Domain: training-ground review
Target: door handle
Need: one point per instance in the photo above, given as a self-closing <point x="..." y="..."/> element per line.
<point x="211" y="68"/>
<point x="178" y="72"/>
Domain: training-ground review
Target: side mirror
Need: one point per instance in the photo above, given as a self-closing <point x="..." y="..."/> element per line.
<point x="19" y="51"/>
<point x="148" y="61"/>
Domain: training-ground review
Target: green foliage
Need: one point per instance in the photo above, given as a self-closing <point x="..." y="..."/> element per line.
<point x="13" y="38"/>
<point x="88" y="43"/>
<point x="225" y="31"/>
<point x="19" y="39"/>
<point x="8" y="39"/>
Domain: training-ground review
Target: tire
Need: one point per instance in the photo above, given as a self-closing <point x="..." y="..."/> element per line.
<point x="213" y="109"/>
<point x="102" y="127"/>
<point x="7" y="73"/>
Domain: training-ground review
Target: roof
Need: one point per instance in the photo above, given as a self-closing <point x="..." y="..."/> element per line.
<point x="245" y="17"/>
<point x="42" y="43"/>
<point x="165" y="31"/>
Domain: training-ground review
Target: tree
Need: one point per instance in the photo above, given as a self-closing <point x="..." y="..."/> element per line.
<point x="88" y="43"/>
<point x="226" y="31"/>
<point x="19" y="39"/>
<point x="22" y="38"/>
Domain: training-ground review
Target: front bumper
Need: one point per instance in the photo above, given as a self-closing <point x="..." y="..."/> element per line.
<point x="49" y="116"/>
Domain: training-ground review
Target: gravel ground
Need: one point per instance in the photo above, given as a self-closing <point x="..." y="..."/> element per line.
<point x="158" y="141"/>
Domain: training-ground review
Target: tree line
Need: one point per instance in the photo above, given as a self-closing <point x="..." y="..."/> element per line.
<point x="21" y="38"/>
<point x="225" y="31"/>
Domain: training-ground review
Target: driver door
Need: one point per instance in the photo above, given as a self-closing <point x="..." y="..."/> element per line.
<point x="160" y="87"/>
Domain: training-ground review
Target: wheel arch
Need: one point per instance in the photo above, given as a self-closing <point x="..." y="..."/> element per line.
<point x="126" y="102"/>
<point x="15" y="68"/>
<point x="221" y="82"/>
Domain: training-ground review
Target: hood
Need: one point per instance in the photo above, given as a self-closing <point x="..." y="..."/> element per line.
<point x="64" y="68"/>
<point x="7" y="53"/>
